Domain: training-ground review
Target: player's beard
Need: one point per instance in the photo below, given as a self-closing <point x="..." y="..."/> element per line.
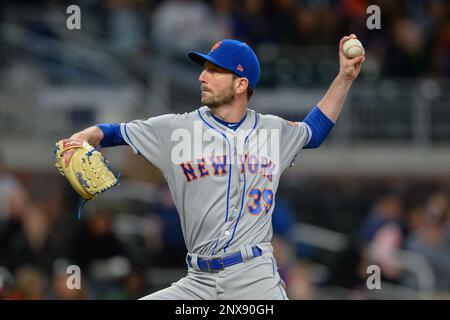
<point x="216" y="101"/>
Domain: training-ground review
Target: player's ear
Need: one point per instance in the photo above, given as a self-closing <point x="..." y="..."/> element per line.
<point x="242" y="85"/>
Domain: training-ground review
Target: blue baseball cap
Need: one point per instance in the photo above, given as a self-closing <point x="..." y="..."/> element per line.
<point x="234" y="56"/>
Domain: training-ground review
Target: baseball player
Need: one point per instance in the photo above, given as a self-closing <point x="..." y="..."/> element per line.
<point x="223" y="163"/>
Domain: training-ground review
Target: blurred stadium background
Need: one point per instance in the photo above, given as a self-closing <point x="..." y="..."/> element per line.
<point x="376" y="192"/>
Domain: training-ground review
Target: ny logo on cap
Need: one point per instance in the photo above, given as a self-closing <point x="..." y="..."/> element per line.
<point x="214" y="47"/>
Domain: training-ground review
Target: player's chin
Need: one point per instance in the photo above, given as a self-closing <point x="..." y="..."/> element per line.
<point x="207" y="99"/>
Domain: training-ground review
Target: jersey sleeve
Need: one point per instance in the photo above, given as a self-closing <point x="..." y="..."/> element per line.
<point x="294" y="136"/>
<point x="150" y="138"/>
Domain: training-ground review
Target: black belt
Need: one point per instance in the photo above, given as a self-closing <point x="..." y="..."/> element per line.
<point x="217" y="264"/>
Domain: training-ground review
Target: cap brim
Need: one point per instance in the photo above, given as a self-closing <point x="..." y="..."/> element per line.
<point x="200" y="58"/>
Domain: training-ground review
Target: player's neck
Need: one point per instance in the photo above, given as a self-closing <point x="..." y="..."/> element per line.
<point x="230" y="113"/>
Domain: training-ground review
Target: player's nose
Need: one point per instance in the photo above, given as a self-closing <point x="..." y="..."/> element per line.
<point x="202" y="76"/>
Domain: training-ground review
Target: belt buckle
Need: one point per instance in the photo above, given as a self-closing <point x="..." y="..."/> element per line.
<point x="222" y="266"/>
<point x="208" y="264"/>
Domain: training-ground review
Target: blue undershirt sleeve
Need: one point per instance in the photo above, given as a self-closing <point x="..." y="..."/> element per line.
<point x="112" y="135"/>
<point x="320" y="126"/>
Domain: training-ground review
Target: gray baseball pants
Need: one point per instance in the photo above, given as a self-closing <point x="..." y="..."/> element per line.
<point x="256" y="278"/>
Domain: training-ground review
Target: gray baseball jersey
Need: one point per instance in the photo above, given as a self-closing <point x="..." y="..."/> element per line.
<point x="223" y="182"/>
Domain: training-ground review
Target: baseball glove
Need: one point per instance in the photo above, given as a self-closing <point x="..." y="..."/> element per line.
<point x="88" y="172"/>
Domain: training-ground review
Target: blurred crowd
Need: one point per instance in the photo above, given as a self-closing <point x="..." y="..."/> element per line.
<point x="40" y="238"/>
<point x="399" y="224"/>
<point x="414" y="38"/>
<point x="396" y="234"/>
<point x="402" y="228"/>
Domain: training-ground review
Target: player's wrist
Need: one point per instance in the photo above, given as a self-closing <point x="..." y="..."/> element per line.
<point x="80" y="136"/>
<point x="344" y="77"/>
<point x="92" y="135"/>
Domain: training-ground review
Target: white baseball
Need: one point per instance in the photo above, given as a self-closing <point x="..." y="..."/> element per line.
<point x="353" y="48"/>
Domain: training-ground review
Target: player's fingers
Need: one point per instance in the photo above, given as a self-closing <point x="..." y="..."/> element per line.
<point x="358" y="59"/>
<point x="341" y="43"/>
<point x="67" y="156"/>
<point x="361" y="59"/>
<point x="360" y="62"/>
<point x="74" y="139"/>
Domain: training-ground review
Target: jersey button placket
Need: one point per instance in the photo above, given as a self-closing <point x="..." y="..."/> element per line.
<point x="235" y="177"/>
